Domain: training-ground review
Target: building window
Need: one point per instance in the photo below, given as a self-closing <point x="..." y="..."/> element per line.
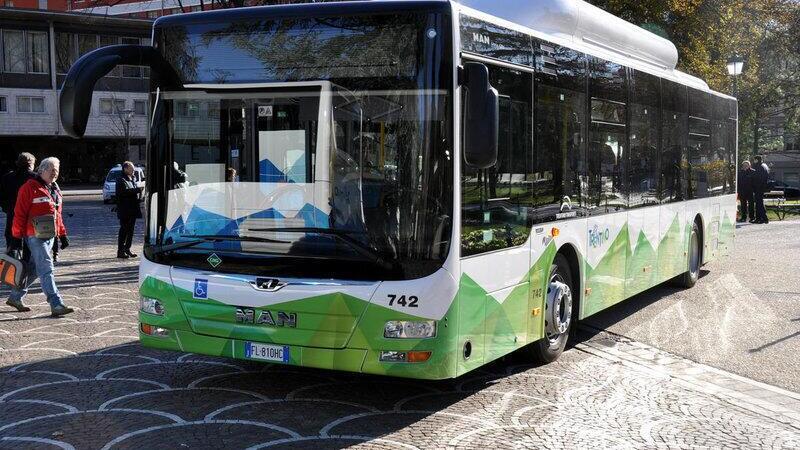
<point x="110" y="106"/>
<point x="13" y="51"/>
<point x="38" y="54"/>
<point x="3" y="105"/>
<point x="30" y="104"/>
<point x="65" y="52"/>
<point x="140" y="107"/>
<point x="42" y="4"/>
<point x="86" y="43"/>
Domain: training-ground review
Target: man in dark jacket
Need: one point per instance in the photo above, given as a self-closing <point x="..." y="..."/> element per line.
<point x="128" y="210"/>
<point x="760" y="178"/>
<point x="745" y="190"/>
<point x="9" y="187"/>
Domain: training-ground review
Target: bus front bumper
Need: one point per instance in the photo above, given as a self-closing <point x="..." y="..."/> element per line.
<point x="439" y="366"/>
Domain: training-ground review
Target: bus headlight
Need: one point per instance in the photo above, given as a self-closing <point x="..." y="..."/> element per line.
<point x="404" y="329"/>
<point x="151" y="306"/>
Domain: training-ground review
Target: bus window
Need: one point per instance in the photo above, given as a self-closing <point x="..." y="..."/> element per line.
<point x="643" y="167"/>
<point x="495" y="201"/>
<point x="673" y="144"/>
<point x="559" y="168"/>
<point x="701" y="158"/>
<point x="723" y="168"/>
<point x="608" y="140"/>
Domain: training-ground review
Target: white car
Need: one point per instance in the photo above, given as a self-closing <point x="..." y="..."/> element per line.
<point x="110" y="185"/>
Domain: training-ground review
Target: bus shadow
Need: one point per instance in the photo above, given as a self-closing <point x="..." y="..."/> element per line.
<point x="603" y="320"/>
<point x="130" y="396"/>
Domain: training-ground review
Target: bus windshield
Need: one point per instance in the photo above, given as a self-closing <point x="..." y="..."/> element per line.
<point x="347" y="177"/>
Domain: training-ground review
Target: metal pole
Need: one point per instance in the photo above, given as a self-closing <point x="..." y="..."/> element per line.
<point x="127" y="139"/>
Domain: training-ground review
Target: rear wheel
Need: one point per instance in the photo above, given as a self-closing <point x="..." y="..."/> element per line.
<point x="695" y="256"/>
<point x="558" y="316"/>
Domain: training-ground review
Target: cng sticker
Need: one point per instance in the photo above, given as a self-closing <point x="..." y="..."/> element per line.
<point x="200" y="289"/>
<point x="214" y="260"/>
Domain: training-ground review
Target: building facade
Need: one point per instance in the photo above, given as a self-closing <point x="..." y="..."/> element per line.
<point x="37" y="48"/>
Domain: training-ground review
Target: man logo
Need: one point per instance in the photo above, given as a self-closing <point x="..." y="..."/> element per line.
<point x="280" y="319"/>
<point x="480" y="38"/>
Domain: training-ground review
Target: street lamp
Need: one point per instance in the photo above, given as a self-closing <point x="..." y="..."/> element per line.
<point x="127" y="115"/>
<point x="735" y="66"/>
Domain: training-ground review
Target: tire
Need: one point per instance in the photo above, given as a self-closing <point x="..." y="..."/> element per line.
<point x="693" y="261"/>
<point x="550" y="348"/>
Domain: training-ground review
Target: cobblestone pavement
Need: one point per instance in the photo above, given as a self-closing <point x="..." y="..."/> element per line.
<point x="83" y="382"/>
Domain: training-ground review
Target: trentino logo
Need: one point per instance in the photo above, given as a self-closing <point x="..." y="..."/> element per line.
<point x="597" y="237"/>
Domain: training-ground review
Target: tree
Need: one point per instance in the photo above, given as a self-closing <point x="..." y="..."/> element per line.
<point x="707" y="33"/>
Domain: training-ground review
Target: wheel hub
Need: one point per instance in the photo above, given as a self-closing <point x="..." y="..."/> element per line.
<point x="558" y="308"/>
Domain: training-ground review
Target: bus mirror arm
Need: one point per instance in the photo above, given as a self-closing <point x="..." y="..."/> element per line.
<point x="75" y="101"/>
<point x="481" y="118"/>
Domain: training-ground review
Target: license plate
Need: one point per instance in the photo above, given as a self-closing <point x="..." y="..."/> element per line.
<point x="266" y="352"/>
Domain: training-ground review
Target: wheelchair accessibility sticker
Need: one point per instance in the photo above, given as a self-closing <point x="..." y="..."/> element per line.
<point x="200" y="288"/>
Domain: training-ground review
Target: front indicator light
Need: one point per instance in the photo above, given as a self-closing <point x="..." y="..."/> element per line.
<point x="154" y="331"/>
<point x="404" y="329"/>
<point x="411" y="357"/>
<point x="414" y="357"/>
<point x="151" y="306"/>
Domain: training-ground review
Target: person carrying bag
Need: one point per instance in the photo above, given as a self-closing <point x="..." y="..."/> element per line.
<point x="37" y="223"/>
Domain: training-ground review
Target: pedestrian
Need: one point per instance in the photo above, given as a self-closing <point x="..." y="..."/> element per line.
<point x="760" y="180"/>
<point x="37" y="222"/>
<point x="745" y="190"/>
<point x="179" y="178"/>
<point x="128" y="195"/>
<point x="9" y="187"/>
<point x="230" y="175"/>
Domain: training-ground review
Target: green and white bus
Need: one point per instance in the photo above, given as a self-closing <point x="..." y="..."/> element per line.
<point x="414" y="188"/>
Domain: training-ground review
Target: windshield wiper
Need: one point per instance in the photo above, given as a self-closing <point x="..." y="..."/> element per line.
<point x="342" y="235"/>
<point x="200" y="239"/>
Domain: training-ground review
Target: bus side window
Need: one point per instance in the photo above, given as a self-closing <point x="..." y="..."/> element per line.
<point x="608" y="139"/>
<point x="495" y="201"/>
<point x="643" y="164"/>
<point x="558" y="175"/>
<point x="674" y="132"/>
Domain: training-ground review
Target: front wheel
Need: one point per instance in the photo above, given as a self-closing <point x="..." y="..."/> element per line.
<point x="692" y="274"/>
<point x="558" y="317"/>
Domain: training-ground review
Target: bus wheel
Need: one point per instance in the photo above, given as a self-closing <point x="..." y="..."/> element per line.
<point x="558" y="313"/>
<point x="689" y="278"/>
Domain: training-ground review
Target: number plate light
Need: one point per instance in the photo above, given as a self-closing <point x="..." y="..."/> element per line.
<point x="404" y="329"/>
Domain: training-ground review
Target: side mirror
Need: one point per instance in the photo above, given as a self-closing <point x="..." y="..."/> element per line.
<point x="76" y="93"/>
<point x="481" y="117"/>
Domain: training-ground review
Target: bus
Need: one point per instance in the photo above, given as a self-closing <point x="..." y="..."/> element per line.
<point x="414" y="188"/>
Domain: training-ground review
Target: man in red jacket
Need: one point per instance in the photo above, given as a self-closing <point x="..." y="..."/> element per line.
<point x="37" y="222"/>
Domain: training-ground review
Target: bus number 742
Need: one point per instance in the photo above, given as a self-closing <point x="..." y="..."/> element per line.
<point x="401" y="300"/>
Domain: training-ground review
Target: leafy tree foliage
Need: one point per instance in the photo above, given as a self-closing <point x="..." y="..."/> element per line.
<point x="708" y="32"/>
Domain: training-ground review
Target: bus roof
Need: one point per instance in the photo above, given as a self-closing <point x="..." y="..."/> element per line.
<point x="571" y="23"/>
<point x="587" y="28"/>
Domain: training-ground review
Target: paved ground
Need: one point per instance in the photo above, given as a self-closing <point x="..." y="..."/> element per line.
<point x="83" y="382"/>
<point x="742" y="316"/>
